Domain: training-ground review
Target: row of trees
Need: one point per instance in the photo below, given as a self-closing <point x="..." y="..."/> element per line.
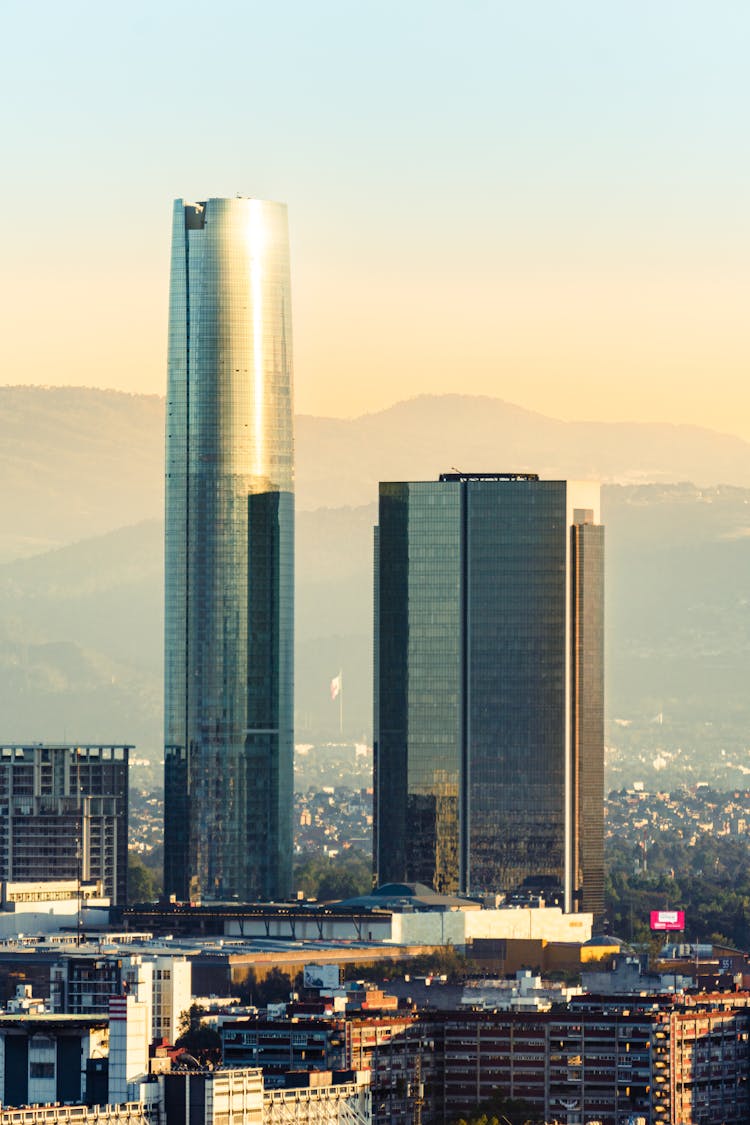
<point x="346" y="875"/>
<point x="710" y="881"/>
<point x="318" y="876"/>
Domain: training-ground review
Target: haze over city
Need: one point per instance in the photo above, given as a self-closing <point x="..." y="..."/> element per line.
<point x="373" y="665"/>
<point x="542" y="202"/>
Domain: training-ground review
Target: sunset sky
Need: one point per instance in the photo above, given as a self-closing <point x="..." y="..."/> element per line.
<point x="548" y="202"/>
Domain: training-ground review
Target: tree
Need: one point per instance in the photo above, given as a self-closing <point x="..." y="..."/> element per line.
<point x="143" y="884"/>
<point x="346" y="875"/>
<point x="709" y="880"/>
<point x="197" y="1037"/>
<point x="273" y="989"/>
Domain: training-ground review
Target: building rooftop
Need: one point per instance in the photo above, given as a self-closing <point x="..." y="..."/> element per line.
<point x="463" y="477"/>
<point x="50" y="1020"/>
<point x="413" y="896"/>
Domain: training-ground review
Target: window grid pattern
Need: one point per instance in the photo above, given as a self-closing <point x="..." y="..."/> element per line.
<point x="489" y="688"/>
<point x="229" y="554"/>
<point x="516" y="669"/>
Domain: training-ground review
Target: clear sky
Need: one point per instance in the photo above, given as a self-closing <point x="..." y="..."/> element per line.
<point x="541" y="200"/>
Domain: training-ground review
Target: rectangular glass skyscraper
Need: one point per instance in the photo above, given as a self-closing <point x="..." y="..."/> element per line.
<point x="489" y="739"/>
<point x="229" y="554"/>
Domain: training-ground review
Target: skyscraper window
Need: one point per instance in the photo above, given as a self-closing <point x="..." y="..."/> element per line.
<point x="229" y="554"/>
<point x="489" y="686"/>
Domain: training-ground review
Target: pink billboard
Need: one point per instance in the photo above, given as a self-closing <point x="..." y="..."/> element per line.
<point x="667" y="919"/>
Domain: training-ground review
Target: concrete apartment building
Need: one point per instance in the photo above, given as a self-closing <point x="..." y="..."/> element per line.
<point x="82" y="983"/>
<point x="645" y="1059"/>
<point x="64" y="815"/>
<point x="394" y="1049"/>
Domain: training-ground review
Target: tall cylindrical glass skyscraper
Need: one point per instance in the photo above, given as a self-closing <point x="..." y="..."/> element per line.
<point x="229" y="554"/>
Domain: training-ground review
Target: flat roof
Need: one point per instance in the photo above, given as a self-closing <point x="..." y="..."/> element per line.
<point x="464" y="477"/>
<point x="50" y="1019"/>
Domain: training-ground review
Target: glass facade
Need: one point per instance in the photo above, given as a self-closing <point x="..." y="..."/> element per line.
<point x="587" y="562"/>
<point x="516" y="630"/>
<point x="419" y="694"/>
<point x="489" y="686"/>
<point x="229" y="554"/>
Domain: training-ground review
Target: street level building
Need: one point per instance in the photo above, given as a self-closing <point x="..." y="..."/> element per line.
<point x="82" y="982"/>
<point x="47" y="1058"/>
<point x="229" y="554"/>
<point x="64" y="816"/>
<point x="649" y="1058"/>
<point x="396" y="1051"/>
<point x="489" y="739"/>
<point x="238" y="1096"/>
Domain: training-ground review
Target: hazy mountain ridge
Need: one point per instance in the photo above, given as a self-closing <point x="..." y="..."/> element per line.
<point x="81" y="625"/>
<point x="76" y="462"/>
<point x="61" y="690"/>
<point x="341" y="462"/>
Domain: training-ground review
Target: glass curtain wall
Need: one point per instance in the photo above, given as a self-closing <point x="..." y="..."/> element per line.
<point x="229" y="554"/>
<point x="489" y="686"/>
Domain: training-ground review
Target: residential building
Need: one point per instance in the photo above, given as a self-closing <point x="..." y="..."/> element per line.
<point x="172" y="996"/>
<point x="396" y="1049"/>
<point x="489" y="687"/>
<point x="64" y="815"/>
<point x="129" y="1035"/>
<point x="229" y="554"/>
<point x="659" y="1058"/>
<point x="651" y="1058"/>
<point x="83" y="981"/>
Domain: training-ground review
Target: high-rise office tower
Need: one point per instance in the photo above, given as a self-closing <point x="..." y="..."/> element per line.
<point x="64" y="815"/>
<point x="229" y="554"/>
<point x="489" y="685"/>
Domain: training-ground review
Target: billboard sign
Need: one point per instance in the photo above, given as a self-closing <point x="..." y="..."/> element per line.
<point x="321" y="976"/>
<point x="668" y="920"/>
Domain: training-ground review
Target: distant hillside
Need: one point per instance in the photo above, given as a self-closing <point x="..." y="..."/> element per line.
<point x="81" y="641"/>
<point x="340" y="461"/>
<point x="77" y="462"/>
<point x="81" y="625"/>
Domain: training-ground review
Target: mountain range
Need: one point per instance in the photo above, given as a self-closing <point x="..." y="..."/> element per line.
<point x="81" y="557"/>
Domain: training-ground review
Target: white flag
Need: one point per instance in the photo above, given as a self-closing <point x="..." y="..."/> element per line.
<point x="336" y="686"/>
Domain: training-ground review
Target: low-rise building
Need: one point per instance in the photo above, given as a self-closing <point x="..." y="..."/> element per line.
<point x="48" y="906"/>
<point x="399" y="914"/>
<point x="82" y="982"/>
<point x="132" y="1113"/>
<point x="239" y="1097"/>
<point x="52" y="1058"/>
<point x="613" y="1059"/>
<point x="218" y="1097"/>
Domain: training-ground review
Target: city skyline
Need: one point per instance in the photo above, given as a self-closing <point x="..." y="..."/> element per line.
<point x="539" y="203"/>
<point x="229" y="557"/>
